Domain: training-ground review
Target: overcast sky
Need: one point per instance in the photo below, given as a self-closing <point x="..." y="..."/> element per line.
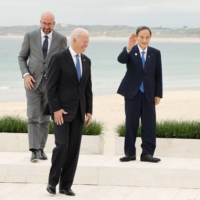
<point x="153" y="13"/>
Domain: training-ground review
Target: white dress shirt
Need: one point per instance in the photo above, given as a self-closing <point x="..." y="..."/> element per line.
<point x="73" y="53"/>
<point x="141" y="50"/>
<point x="49" y="39"/>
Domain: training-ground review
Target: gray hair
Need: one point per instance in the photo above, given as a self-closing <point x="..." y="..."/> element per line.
<point x="77" y="32"/>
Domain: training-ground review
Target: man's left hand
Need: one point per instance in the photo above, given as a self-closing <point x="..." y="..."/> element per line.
<point x="88" y="119"/>
<point x="157" y="100"/>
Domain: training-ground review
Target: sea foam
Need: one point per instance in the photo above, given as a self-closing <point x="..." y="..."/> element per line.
<point x="4" y="88"/>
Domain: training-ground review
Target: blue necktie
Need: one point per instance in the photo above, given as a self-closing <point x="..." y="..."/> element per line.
<point x="143" y="64"/>
<point x="78" y="67"/>
<point x="45" y="46"/>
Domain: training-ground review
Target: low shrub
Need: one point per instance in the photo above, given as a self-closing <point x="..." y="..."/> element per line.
<point x="15" y="124"/>
<point x="170" y="129"/>
<point x="95" y="128"/>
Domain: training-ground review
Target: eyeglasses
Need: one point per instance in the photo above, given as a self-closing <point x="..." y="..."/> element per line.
<point x="45" y="24"/>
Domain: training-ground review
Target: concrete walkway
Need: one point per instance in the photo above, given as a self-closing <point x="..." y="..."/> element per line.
<point x="17" y="191"/>
<point x="11" y="191"/>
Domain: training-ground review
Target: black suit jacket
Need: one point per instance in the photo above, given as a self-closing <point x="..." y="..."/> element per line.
<point x="151" y="75"/>
<point x="63" y="88"/>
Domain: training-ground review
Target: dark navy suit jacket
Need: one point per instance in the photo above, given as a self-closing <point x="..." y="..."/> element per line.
<point x="151" y="75"/>
<point x="63" y="88"/>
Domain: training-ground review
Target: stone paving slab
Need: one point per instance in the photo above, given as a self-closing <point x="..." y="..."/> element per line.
<point x="104" y="170"/>
<point x="21" y="191"/>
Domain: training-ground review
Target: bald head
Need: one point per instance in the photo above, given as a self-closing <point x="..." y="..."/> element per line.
<point x="47" y="15"/>
<point x="47" y="22"/>
<point x="79" y="40"/>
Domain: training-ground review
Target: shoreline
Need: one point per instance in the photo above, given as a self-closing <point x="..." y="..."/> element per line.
<point x="104" y="38"/>
<point x="20" y="96"/>
<point x="184" y="39"/>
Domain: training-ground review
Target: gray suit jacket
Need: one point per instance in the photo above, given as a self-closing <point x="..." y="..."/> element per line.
<point x="31" y="58"/>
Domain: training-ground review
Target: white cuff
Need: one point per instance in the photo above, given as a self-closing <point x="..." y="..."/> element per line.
<point x="25" y="74"/>
<point x="128" y="50"/>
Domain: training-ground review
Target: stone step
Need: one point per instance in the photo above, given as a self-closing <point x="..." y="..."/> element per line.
<point x="171" y="172"/>
<point x="18" y="142"/>
<point x="166" y="147"/>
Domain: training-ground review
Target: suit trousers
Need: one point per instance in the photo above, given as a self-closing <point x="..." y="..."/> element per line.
<point x="134" y="109"/>
<point x="38" y="124"/>
<point x="65" y="154"/>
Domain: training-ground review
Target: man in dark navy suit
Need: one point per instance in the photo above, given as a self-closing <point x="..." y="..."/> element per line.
<point x="69" y="92"/>
<point x="142" y="90"/>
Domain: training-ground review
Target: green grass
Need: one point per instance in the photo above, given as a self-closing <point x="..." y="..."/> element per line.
<point x="170" y="129"/>
<point x="121" y="129"/>
<point x="95" y="128"/>
<point x="51" y="128"/>
<point x="15" y="124"/>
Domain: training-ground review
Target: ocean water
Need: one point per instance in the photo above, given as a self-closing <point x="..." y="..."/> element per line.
<point x="180" y="60"/>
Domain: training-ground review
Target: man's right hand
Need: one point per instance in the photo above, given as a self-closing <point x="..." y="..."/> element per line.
<point x="28" y="81"/>
<point x="58" y="116"/>
<point x="132" y="41"/>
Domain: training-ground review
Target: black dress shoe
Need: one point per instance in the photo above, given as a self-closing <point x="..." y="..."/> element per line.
<point x="34" y="156"/>
<point x="149" y="158"/>
<point x="127" y="158"/>
<point x="51" y="189"/>
<point x="68" y="192"/>
<point x="42" y="155"/>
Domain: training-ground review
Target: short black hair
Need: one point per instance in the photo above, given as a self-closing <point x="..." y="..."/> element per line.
<point x="143" y="28"/>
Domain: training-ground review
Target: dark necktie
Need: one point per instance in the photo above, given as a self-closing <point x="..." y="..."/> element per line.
<point x="45" y="46"/>
<point x="78" y="67"/>
<point x="143" y="64"/>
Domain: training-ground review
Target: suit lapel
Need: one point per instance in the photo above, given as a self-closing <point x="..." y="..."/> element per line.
<point x="39" y="43"/>
<point x="83" y="67"/>
<point x="136" y="54"/>
<point x="54" y="43"/>
<point x="148" y="58"/>
<point x="69" y="60"/>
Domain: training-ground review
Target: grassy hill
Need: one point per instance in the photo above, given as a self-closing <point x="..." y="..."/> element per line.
<point x="108" y="31"/>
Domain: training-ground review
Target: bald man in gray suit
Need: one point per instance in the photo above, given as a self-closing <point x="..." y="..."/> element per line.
<point x="34" y="57"/>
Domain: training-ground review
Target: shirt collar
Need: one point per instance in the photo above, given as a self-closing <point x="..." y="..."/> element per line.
<point x="73" y="53"/>
<point x="49" y="35"/>
<point x="141" y="50"/>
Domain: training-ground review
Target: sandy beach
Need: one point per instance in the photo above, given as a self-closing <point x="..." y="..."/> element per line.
<point x="109" y="109"/>
<point x="179" y="105"/>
